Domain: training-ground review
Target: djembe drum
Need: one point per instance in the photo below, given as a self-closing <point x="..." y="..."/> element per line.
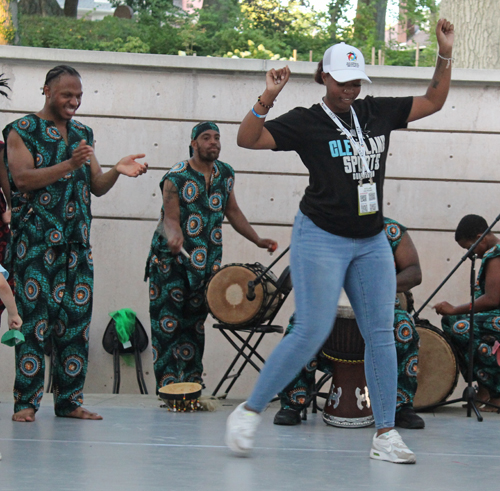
<point x="348" y="403"/>
<point x="226" y="294"/>
<point x="437" y="374"/>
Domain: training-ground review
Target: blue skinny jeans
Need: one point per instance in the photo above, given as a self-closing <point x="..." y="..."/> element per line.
<point x="321" y="264"/>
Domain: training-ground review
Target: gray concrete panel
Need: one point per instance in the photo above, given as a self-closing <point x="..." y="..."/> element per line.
<point x="148" y="103"/>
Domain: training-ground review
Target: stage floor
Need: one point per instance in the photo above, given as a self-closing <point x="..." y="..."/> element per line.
<point x="140" y="446"/>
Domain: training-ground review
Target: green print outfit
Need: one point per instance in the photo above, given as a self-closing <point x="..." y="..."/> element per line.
<point x="296" y="394"/>
<point x="486" y="331"/>
<point x="52" y="264"/>
<point x="176" y="284"/>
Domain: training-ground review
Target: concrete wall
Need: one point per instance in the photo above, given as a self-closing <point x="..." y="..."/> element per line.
<point x="438" y="170"/>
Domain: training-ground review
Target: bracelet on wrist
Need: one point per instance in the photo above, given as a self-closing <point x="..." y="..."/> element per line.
<point x="449" y="60"/>
<point x="264" y="105"/>
<point x="260" y="116"/>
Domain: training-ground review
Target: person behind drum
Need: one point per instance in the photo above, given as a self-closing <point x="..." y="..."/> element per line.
<point x="296" y="394"/>
<point x="338" y="239"/>
<point x="197" y="194"/>
<point x="455" y="321"/>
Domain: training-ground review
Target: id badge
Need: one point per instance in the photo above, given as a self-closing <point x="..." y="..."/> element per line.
<point x="367" y="199"/>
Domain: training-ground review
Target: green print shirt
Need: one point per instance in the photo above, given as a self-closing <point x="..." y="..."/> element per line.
<point x="201" y="214"/>
<point x="60" y="212"/>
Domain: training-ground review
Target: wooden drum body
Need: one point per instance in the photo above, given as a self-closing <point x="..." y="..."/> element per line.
<point x="226" y="294"/>
<point x="348" y="404"/>
<point x="437" y="374"/>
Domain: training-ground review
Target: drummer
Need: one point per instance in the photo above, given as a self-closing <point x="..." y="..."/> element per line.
<point x="455" y="321"/>
<point x="186" y="250"/>
<point x="295" y="396"/>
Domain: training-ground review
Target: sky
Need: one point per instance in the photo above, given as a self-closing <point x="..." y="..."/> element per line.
<point x="392" y="11"/>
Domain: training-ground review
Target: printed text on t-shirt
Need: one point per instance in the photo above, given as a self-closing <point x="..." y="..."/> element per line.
<point x="352" y="161"/>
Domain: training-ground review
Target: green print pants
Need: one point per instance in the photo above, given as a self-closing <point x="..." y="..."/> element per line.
<point x="177" y="327"/>
<point x="54" y="288"/>
<point x="486" y="332"/>
<point x="296" y="394"/>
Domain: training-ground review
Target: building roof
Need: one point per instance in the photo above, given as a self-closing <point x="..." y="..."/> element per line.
<point x="89" y="5"/>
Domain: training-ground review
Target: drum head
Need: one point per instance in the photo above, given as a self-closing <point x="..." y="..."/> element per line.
<point x="437" y="367"/>
<point x="180" y="391"/>
<point x="345" y="312"/>
<point x="226" y="295"/>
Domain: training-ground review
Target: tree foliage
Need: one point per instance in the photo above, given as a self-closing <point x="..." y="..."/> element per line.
<point x="371" y="13"/>
<point x="270" y="29"/>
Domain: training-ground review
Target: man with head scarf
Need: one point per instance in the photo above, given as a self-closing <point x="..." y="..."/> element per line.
<point x="186" y="250"/>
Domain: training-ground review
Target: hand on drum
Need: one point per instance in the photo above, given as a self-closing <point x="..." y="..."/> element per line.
<point x="269" y="244"/>
<point x="444" y="308"/>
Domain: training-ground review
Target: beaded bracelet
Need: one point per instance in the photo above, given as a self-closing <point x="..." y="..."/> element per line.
<point x="449" y="60"/>
<point x="264" y="105"/>
<point x="260" y="116"/>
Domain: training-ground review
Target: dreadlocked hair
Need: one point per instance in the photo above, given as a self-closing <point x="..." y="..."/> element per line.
<point x="3" y="83"/>
<point x="58" y="71"/>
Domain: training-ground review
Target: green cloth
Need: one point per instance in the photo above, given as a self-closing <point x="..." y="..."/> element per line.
<point x="12" y="337"/>
<point x="124" y="323"/>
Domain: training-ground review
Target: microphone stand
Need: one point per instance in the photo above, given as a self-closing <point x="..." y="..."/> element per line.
<point x="253" y="283"/>
<point x="469" y="394"/>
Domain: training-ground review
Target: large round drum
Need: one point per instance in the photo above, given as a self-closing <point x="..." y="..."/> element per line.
<point x="437" y="374"/>
<point x="348" y="404"/>
<point x="226" y="294"/>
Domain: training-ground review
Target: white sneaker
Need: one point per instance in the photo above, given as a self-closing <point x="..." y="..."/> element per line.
<point x="240" y="429"/>
<point x="389" y="446"/>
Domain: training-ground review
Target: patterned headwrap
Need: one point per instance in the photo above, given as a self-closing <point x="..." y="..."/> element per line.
<point x="199" y="129"/>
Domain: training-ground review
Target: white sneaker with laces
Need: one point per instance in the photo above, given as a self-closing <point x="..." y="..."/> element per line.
<point x="240" y="429"/>
<point x="389" y="446"/>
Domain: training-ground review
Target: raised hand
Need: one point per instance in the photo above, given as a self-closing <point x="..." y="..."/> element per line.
<point x="276" y="80"/>
<point x="445" y="34"/>
<point x="128" y="166"/>
<point x="81" y="155"/>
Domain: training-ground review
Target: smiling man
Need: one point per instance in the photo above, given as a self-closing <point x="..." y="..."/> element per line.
<point x="197" y="194"/>
<point x="52" y="172"/>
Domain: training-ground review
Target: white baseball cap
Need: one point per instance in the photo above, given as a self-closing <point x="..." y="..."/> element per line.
<point x="344" y="63"/>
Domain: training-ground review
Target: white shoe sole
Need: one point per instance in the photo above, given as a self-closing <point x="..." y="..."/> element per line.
<point x="231" y="442"/>
<point x="235" y="448"/>
<point x="377" y="455"/>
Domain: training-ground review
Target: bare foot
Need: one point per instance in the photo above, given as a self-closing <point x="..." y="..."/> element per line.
<point x="82" y="413"/>
<point x="478" y="404"/>
<point x="24" y="415"/>
<point x="482" y="395"/>
<point x="489" y="409"/>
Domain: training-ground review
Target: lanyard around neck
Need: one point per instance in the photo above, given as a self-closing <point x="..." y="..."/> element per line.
<point x="358" y="145"/>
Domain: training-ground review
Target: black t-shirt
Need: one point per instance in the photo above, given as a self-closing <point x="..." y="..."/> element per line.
<point x="331" y="199"/>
